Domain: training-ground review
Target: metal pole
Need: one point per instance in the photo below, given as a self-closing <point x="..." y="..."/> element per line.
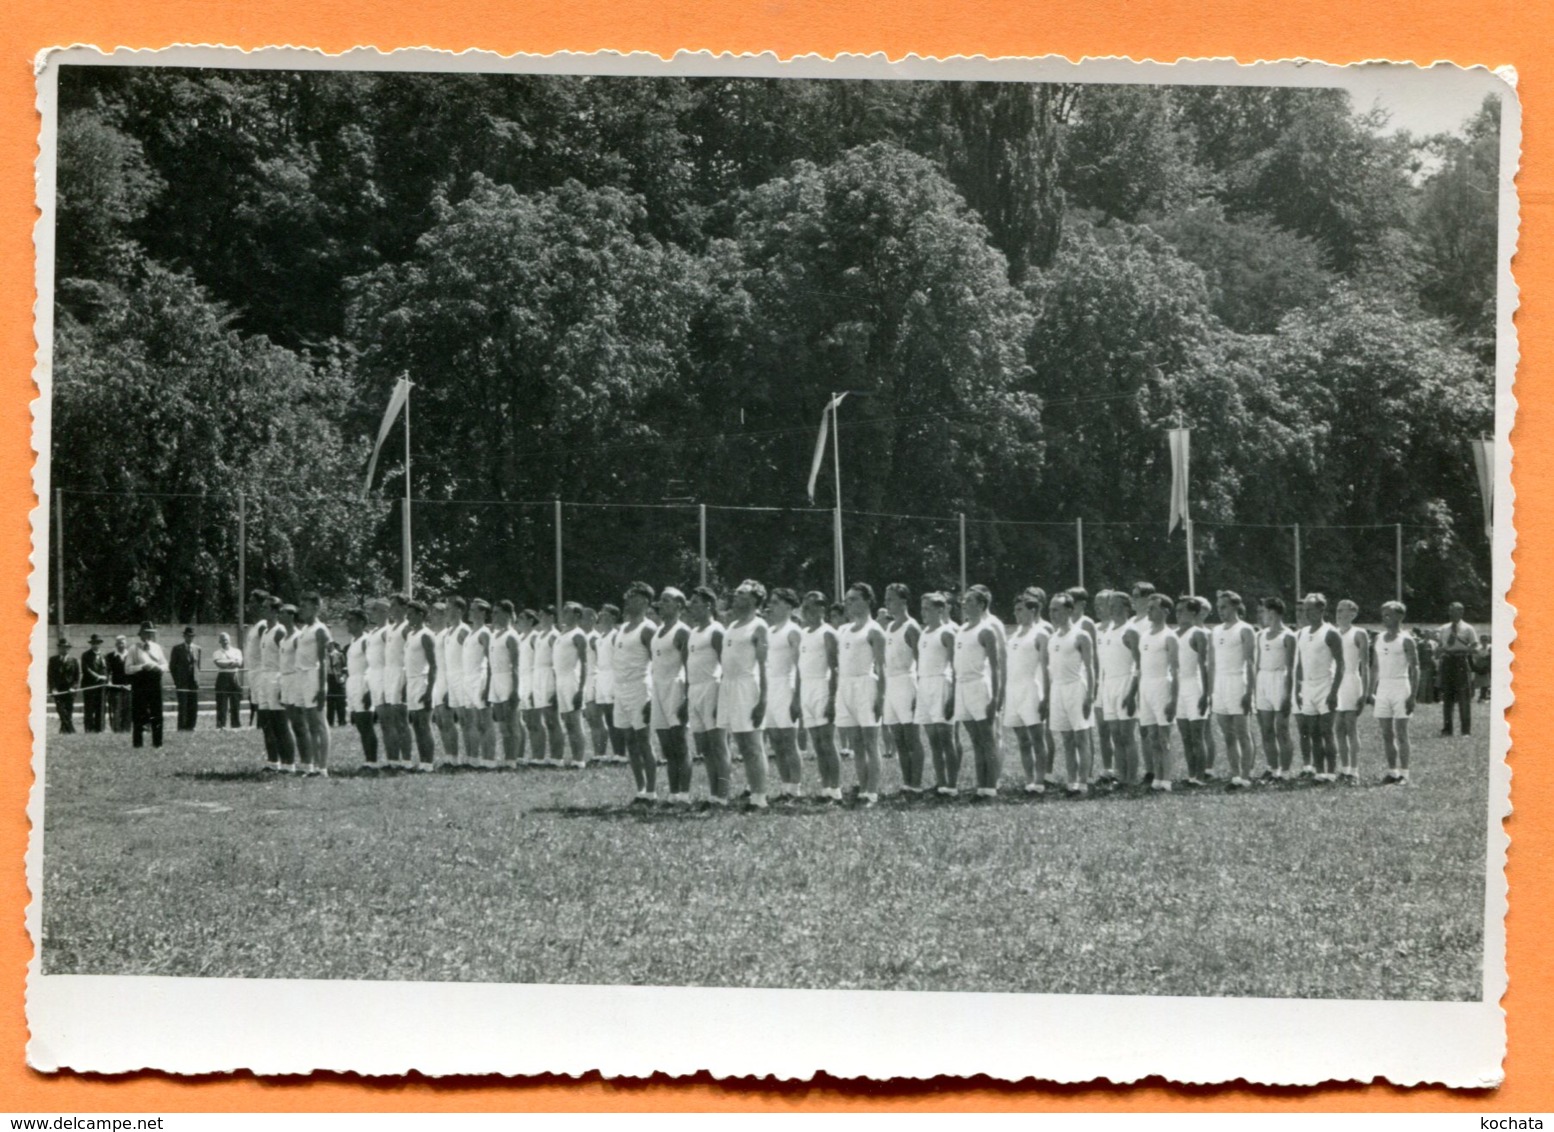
<point x="701" y="509"/>
<point x="1397" y="531"/>
<point x="1192" y="582"/>
<point x="242" y="571"/>
<point x="405" y="549"/>
<point x="836" y="465"/>
<point x="962" y="551"/>
<point x="1299" y="593"/>
<point x="558" y="557"/>
<point x="59" y="558"/>
<point x="1079" y="539"/>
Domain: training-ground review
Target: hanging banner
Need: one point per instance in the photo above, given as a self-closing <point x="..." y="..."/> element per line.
<point x="1179" y="441"/>
<point x="1484" y="461"/>
<point x="820" y="442"/>
<point x="390" y="415"/>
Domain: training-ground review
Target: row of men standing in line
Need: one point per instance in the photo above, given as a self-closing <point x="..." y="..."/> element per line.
<point x="123" y="686"/>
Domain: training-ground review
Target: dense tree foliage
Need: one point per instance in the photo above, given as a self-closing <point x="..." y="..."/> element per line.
<point x="642" y="290"/>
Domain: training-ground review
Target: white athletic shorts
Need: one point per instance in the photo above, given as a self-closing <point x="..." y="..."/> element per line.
<point x="933" y="695"/>
<point x="1154" y="701"/>
<point x="542" y="689"/>
<point x="701" y="706"/>
<point x="737" y="699"/>
<point x="290" y="690"/>
<point x="779" y="705"/>
<point x="1392" y="698"/>
<point x="501" y="688"/>
<point x="266" y="690"/>
<point x="900" y="698"/>
<point x="474" y="694"/>
<point x="1313" y="696"/>
<point x="604" y="688"/>
<point x="855" y="701"/>
<point x="1066" y="712"/>
<point x="415" y="693"/>
<point x="455" y="689"/>
<point x="1187" y="697"/>
<point x="629" y="710"/>
<point x="393" y="686"/>
<point x="523" y="690"/>
<point x="1350" y="692"/>
<point x="1022" y="704"/>
<point x="355" y="693"/>
<point x="1270" y="690"/>
<point x="375" y="685"/>
<point x="590" y="687"/>
<point x="666" y="705"/>
<point x="566" y="692"/>
<point x="1229" y="690"/>
<point x="1114" y="690"/>
<point x="814" y="698"/>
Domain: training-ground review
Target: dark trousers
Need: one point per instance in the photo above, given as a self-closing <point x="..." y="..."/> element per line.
<point x="421" y="728"/>
<point x="229" y="701"/>
<point x="334" y="705"/>
<point x="92" y="709"/>
<point x="65" y="704"/>
<point x="365" y="727"/>
<point x="1456" y="688"/>
<point x="146" y="707"/>
<point x="119" y="709"/>
<point x="188" y="707"/>
<point x="277" y="730"/>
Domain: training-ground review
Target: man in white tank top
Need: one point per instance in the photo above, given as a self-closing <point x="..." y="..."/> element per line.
<point x="935" y="709"/>
<point x="901" y="687"/>
<point x="1192" y="694"/>
<point x="1117" y="643"/>
<point x="1158" y="652"/>
<point x="504" y="684"/>
<point x="1232" y="647"/>
<point x="286" y="637"/>
<point x="358" y="702"/>
<point x="1027" y="652"/>
<point x="606" y="629"/>
<point x="1069" y="701"/>
<point x="1319" y="670"/>
<point x="545" y="738"/>
<point x="593" y="716"/>
<point x="373" y="645"/>
<point x="742" y="697"/>
<point x="526" y="722"/>
<point x="443" y="714"/>
<point x="1394" y="684"/>
<point x="1353" y="690"/>
<point x="475" y="665"/>
<point x="312" y="685"/>
<point x="396" y="711"/>
<point x="1274" y="680"/>
<point x="979" y="688"/>
<point x="633" y="658"/>
<point x="420" y="674"/>
<point x="453" y="655"/>
<point x="671" y="643"/>
<point x="253" y="677"/>
<point x="783" y="708"/>
<point x="703" y="683"/>
<point x="816" y="673"/>
<point x="860" y="693"/>
<point x="569" y="661"/>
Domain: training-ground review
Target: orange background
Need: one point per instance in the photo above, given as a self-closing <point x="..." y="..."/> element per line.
<point x="1491" y="32"/>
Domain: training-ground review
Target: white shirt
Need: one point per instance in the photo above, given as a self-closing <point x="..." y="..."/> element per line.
<point x="814" y="662"/>
<point x="855" y="652"/>
<point x="702" y="665"/>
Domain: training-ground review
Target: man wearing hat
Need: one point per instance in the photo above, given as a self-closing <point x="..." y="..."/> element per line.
<point x="94" y="684"/>
<point x="118" y="685"/>
<point x="185" y="667"/>
<point x="145" y="666"/>
<point x="64" y="678"/>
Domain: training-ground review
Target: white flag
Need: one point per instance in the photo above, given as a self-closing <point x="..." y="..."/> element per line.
<point x="1179" y="440"/>
<point x="1484" y="461"/>
<point x="390" y="415"/>
<point x="820" y="442"/>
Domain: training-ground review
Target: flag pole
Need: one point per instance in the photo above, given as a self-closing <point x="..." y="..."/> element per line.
<point x="836" y="464"/>
<point x="406" y="531"/>
<point x="1192" y="584"/>
<point x="59" y="559"/>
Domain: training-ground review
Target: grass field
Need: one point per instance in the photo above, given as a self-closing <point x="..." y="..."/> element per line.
<point x="190" y="862"/>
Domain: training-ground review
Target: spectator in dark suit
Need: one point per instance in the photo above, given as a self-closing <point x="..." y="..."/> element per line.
<point x="118" y="690"/>
<point x="185" y="667"/>
<point x="64" y="679"/>
<point x="1459" y="641"/>
<point x="94" y="684"/>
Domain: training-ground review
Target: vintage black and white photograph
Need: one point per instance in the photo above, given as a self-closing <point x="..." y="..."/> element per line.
<point x="1027" y="533"/>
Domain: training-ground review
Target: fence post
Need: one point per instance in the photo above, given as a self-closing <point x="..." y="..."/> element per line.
<point x="59" y="558"/>
<point x="559" y="589"/>
<point x="701" y="509"/>
<point x="962" y="517"/>
<point x="1398" y="552"/>
<point x="242" y="573"/>
<point x="1299" y="593"/>
<point x="1079" y="540"/>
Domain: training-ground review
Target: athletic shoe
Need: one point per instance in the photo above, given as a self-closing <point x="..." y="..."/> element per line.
<point x="1148" y="779"/>
<point x="1035" y="788"/>
<point x="1194" y="782"/>
<point x="757" y="802"/>
<point x="1307" y="771"/>
<point x="946" y="791"/>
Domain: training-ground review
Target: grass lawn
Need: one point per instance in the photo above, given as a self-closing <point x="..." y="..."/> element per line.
<point x="189" y="862"/>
